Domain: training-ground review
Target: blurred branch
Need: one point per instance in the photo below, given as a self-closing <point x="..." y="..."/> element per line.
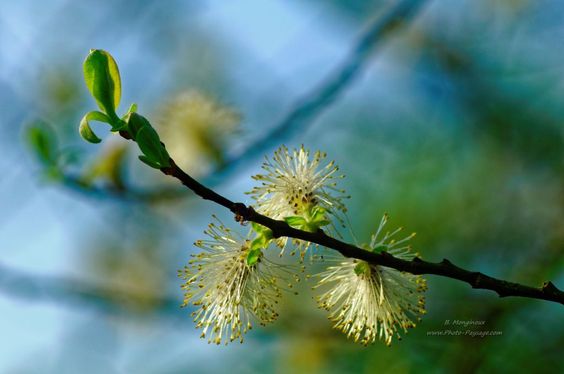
<point x="416" y="266"/>
<point x="311" y="105"/>
<point x="304" y="111"/>
<point x="127" y="193"/>
<point x="76" y="292"/>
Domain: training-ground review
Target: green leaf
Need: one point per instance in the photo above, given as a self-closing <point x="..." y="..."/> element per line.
<point x="103" y="81"/>
<point x="315" y="219"/>
<point x="42" y="142"/>
<point x="362" y="268"/>
<point x="132" y="109"/>
<point x="318" y="213"/>
<point x="295" y="221"/>
<point x="257" y="245"/>
<point x="263" y="239"/>
<point x="84" y="128"/>
<point x="125" y="118"/>
<point x="253" y="256"/>
<point x="149" y="162"/>
<point x="262" y="230"/>
<point x="267" y="234"/>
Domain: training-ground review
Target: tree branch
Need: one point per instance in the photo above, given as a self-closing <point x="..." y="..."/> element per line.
<point x="445" y="268"/>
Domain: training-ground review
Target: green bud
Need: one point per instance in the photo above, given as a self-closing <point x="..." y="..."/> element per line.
<point x="154" y="153"/>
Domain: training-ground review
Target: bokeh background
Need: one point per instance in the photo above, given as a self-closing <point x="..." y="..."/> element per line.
<point x="453" y="124"/>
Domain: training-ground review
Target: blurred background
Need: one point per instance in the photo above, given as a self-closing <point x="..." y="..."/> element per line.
<point x="447" y="114"/>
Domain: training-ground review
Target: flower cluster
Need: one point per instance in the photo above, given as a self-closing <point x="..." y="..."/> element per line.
<point x="228" y="290"/>
<point x="367" y="301"/>
<point x="195" y="128"/>
<point x="299" y="189"/>
<point x="232" y="282"/>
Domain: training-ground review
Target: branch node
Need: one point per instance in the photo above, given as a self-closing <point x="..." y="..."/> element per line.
<point x="241" y="212"/>
<point x="549" y="287"/>
<point x="124" y="134"/>
<point x="385" y="254"/>
<point x="446" y="262"/>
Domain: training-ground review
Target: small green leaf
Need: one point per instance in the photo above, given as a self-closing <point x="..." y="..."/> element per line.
<point x="295" y="221"/>
<point x="103" y="80"/>
<point x="84" y="128"/>
<point x="317" y="213"/>
<point x="362" y="268"/>
<point x="257" y="243"/>
<point x="125" y="119"/>
<point x="42" y="141"/>
<point x="149" y="162"/>
<point x="267" y="234"/>
<point x="262" y="230"/>
<point x="264" y="239"/>
<point x="132" y="109"/>
<point x="253" y="256"/>
<point x="317" y="218"/>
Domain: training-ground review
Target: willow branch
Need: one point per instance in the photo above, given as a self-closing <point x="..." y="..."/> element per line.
<point x="445" y="268"/>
